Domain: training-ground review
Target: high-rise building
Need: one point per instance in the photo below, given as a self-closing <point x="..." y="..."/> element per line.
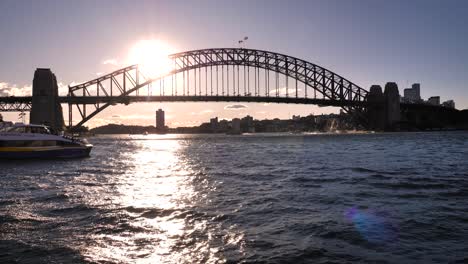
<point x="160" y="120"/>
<point x="417" y="89"/>
<point x="412" y="94"/>
<point x="235" y="126"/>
<point x="247" y="124"/>
<point x="214" y="125"/>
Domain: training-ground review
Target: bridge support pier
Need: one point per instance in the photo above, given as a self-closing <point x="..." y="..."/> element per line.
<point x="46" y="108"/>
<point x="384" y="110"/>
<point x="376" y="110"/>
<point x="392" y="106"/>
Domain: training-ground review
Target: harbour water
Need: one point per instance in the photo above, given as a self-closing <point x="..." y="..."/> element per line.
<point x="363" y="198"/>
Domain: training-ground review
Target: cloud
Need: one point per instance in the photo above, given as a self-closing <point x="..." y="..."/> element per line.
<point x="133" y="117"/>
<point x="282" y="91"/>
<point x="8" y="89"/>
<point x="110" y="62"/>
<point x="62" y="89"/>
<point x="203" y="112"/>
<point x="99" y="73"/>
<point x="3" y="87"/>
<point x="235" y="107"/>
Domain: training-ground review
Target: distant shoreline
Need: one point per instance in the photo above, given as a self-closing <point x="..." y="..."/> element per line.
<point x="289" y="132"/>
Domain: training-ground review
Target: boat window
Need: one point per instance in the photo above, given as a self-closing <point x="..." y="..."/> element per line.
<point x="16" y="129"/>
<point x="27" y="143"/>
<point x="39" y="130"/>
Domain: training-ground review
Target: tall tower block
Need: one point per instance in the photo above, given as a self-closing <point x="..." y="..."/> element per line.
<point x="160" y="120"/>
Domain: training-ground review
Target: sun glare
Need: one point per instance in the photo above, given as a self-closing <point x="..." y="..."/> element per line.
<point x="152" y="56"/>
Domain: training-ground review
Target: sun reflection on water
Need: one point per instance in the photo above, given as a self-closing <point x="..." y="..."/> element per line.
<point x="159" y="199"/>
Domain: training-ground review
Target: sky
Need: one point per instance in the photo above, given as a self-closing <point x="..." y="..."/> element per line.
<point x="366" y="41"/>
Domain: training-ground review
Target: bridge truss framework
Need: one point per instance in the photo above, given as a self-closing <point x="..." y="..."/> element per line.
<point x="224" y="74"/>
<point x="227" y="74"/>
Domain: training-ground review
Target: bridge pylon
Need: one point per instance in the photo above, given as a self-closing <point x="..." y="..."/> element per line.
<point x="383" y="111"/>
<point x="46" y="108"/>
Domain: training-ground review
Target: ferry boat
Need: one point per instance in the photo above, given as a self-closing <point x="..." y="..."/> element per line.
<point x="21" y="141"/>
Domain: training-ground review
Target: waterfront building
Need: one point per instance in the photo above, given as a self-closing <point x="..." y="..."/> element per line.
<point x="236" y="126"/>
<point x="434" y="100"/>
<point x="296" y="117"/>
<point x="214" y="125"/>
<point x="223" y="125"/>
<point x="449" y="104"/>
<point x="160" y="120"/>
<point x="247" y="124"/>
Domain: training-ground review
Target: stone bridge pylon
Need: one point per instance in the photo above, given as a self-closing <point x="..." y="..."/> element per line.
<point x="46" y="108"/>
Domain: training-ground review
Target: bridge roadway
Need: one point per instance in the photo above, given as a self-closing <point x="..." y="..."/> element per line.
<point x="91" y="100"/>
<point x="13" y="103"/>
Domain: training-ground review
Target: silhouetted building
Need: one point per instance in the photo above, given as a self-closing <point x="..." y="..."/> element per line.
<point x="412" y="94"/>
<point x="434" y="100"/>
<point x="160" y="120"/>
<point x="235" y="126"/>
<point x="449" y="104"/>
<point x="214" y="125"/>
<point x="247" y="124"/>
<point x="223" y="125"/>
<point x="296" y="117"/>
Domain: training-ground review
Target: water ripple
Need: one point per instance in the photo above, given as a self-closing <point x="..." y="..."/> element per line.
<point x="375" y="198"/>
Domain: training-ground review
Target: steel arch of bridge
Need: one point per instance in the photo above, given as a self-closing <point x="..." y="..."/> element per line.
<point x="127" y="84"/>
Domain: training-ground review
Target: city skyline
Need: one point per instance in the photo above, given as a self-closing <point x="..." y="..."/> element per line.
<point x="413" y="47"/>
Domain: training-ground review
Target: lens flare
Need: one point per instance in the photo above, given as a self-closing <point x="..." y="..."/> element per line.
<point x="373" y="227"/>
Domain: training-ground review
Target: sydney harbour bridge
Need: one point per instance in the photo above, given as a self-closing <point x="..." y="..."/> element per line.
<point x="213" y="75"/>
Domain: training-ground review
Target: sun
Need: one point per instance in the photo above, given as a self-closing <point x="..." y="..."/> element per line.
<point x="152" y="57"/>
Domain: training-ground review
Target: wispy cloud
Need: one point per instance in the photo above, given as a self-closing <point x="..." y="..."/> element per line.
<point x="283" y="91"/>
<point x="113" y="62"/>
<point x="133" y="117"/>
<point x="203" y="112"/>
<point x="235" y="107"/>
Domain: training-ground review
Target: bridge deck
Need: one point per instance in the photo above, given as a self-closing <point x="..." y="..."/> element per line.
<point x="192" y="98"/>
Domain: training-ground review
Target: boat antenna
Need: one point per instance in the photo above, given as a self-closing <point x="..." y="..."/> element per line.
<point x="21" y="115"/>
